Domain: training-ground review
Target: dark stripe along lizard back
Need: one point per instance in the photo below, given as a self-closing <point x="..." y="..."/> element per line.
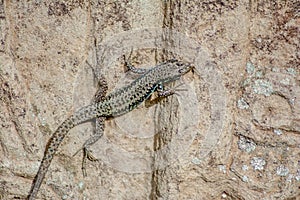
<point x="117" y="103"/>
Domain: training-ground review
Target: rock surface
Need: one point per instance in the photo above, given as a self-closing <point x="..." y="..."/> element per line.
<point x="231" y="132"/>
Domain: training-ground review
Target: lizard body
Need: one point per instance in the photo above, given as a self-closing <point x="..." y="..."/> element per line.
<point x="121" y="101"/>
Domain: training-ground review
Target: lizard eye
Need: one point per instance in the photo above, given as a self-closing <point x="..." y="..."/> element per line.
<point x="181" y="70"/>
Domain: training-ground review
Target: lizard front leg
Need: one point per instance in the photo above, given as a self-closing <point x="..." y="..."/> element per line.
<point x="162" y="93"/>
<point x="132" y="68"/>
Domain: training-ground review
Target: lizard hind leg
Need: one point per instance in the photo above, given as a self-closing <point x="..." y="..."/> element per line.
<point x="99" y="126"/>
<point x="99" y="130"/>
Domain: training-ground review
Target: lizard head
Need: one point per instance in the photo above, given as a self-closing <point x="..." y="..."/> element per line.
<point x="173" y="69"/>
<point x="182" y="67"/>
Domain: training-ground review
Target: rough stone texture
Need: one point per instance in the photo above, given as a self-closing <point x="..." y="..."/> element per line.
<point x="52" y="53"/>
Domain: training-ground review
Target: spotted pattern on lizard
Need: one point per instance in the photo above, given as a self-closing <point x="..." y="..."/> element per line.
<point x="117" y="103"/>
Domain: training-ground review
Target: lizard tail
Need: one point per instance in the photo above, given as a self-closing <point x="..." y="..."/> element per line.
<point x="84" y="114"/>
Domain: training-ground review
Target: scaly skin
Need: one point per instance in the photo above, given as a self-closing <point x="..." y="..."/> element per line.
<point x="117" y="103"/>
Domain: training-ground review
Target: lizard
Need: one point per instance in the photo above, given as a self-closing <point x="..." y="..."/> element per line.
<point x="119" y="102"/>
